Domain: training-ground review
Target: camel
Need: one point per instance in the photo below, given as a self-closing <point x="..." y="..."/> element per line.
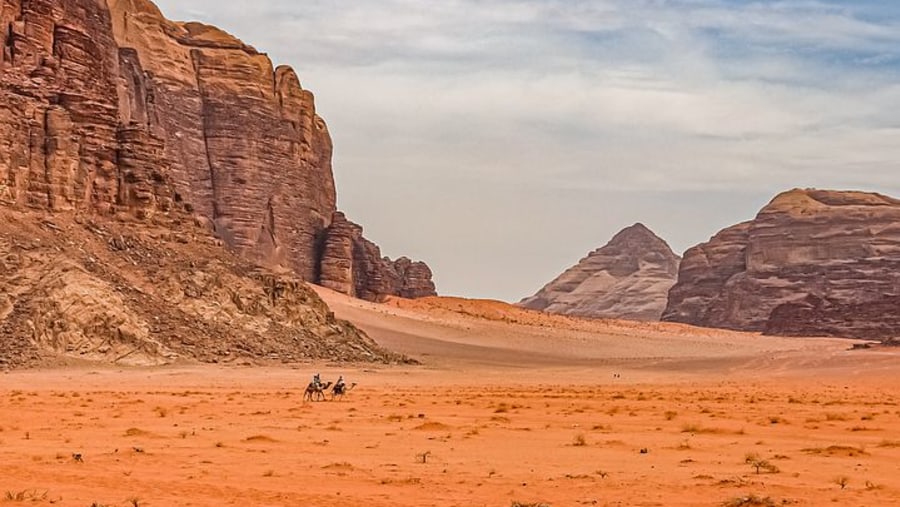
<point x="318" y="390"/>
<point x="339" y="392"/>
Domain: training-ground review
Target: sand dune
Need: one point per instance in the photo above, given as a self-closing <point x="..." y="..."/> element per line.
<point x="449" y="332"/>
<point x="507" y="406"/>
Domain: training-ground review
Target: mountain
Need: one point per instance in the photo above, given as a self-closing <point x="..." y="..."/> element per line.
<point x="812" y="262"/>
<point x="628" y="278"/>
<point x="165" y="193"/>
<point x="110" y="108"/>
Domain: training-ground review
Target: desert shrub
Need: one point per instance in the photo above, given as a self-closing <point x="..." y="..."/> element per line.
<point x="755" y="461"/>
<point x="749" y="501"/>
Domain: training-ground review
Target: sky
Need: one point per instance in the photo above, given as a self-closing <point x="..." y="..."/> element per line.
<point x="502" y="140"/>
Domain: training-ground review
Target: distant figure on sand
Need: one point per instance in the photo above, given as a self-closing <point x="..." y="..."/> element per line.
<point x="316" y="388"/>
<point x="340" y="388"/>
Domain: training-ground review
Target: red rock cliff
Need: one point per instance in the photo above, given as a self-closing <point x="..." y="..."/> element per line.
<point x="353" y="265"/>
<point x="808" y="264"/>
<point x="112" y="108"/>
<point x="65" y="145"/>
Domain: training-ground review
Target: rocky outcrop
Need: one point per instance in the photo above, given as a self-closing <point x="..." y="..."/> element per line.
<point x="93" y="288"/>
<point x="878" y="318"/>
<point x="629" y="278"/>
<point x="353" y="265"/>
<point x="111" y="108"/>
<point x="812" y="262"/>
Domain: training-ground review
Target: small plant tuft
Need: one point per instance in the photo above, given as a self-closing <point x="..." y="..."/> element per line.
<point x="755" y="461"/>
<point x="750" y="501"/>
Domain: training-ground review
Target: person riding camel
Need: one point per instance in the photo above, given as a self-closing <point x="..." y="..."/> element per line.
<point x="317" y="380"/>
<point x="340" y="385"/>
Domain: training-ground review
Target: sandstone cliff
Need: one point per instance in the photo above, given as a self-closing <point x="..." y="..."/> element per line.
<point x="113" y="109"/>
<point x="353" y="265"/>
<point x="812" y="262"/>
<point x="629" y="278"/>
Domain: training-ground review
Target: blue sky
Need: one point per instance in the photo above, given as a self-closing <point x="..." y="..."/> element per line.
<point x="502" y="140"/>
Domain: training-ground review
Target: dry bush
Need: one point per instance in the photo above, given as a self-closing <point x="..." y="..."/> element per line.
<point x="700" y="430"/>
<point x="750" y="501"/>
<point x="755" y="461"/>
<point x="25" y="495"/>
<point x="837" y="450"/>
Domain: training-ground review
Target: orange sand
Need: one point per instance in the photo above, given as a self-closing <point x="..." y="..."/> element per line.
<point x="500" y="411"/>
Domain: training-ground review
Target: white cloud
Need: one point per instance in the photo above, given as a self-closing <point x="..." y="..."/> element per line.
<point x="473" y="132"/>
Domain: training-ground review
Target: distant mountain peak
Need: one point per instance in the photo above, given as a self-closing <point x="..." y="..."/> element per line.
<point x="637" y="233"/>
<point x="628" y="278"/>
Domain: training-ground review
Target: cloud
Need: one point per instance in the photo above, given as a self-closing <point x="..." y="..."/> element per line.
<point x="476" y="126"/>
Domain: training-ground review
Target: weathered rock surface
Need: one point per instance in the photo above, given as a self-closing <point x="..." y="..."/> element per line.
<point x="64" y="145"/>
<point x="353" y="265"/>
<point x="876" y="318"/>
<point x="629" y="278"/>
<point x="812" y="262"/>
<point x="110" y="290"/>
<point x="111" y="108"/>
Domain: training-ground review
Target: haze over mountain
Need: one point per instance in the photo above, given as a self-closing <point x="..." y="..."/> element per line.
<point x="629" y="278"/>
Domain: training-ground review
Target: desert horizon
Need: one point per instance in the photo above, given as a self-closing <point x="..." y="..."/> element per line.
<point x="551" y="411"/>
<point x="628" y="253"/>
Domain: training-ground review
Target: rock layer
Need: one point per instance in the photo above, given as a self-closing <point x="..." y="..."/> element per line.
<point x="812" y="262"/>
<point x="353" y="265"/>
<point x="111" y="108"/>
<point x="629" y="278"/>
<point x="64" y="145"/>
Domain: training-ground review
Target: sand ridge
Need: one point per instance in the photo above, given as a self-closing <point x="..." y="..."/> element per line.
<point x="506" y="406"/>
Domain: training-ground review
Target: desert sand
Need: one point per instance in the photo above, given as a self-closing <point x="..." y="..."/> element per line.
<point x="506" y="406"/>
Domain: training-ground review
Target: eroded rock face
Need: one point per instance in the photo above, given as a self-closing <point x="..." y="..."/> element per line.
<point x="811" y="263"/>
<point x="247" y="147"/>
<point x="111" y="108"/>
<point x="629" y="278"/>
<point x="353" y="265"/>
<point x="65" y="145"/>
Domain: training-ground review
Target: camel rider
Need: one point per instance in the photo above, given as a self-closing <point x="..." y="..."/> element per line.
<point x="339" y="385"/>
<point x="317" y="380"/>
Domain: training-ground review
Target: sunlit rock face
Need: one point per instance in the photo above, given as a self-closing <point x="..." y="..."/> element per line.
<point x="812" y="262"/>
<point x="111" y="108"/>
<point x="629" y="278"/>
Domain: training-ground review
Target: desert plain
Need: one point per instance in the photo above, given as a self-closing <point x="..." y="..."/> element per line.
<point x="506" y="407"/>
